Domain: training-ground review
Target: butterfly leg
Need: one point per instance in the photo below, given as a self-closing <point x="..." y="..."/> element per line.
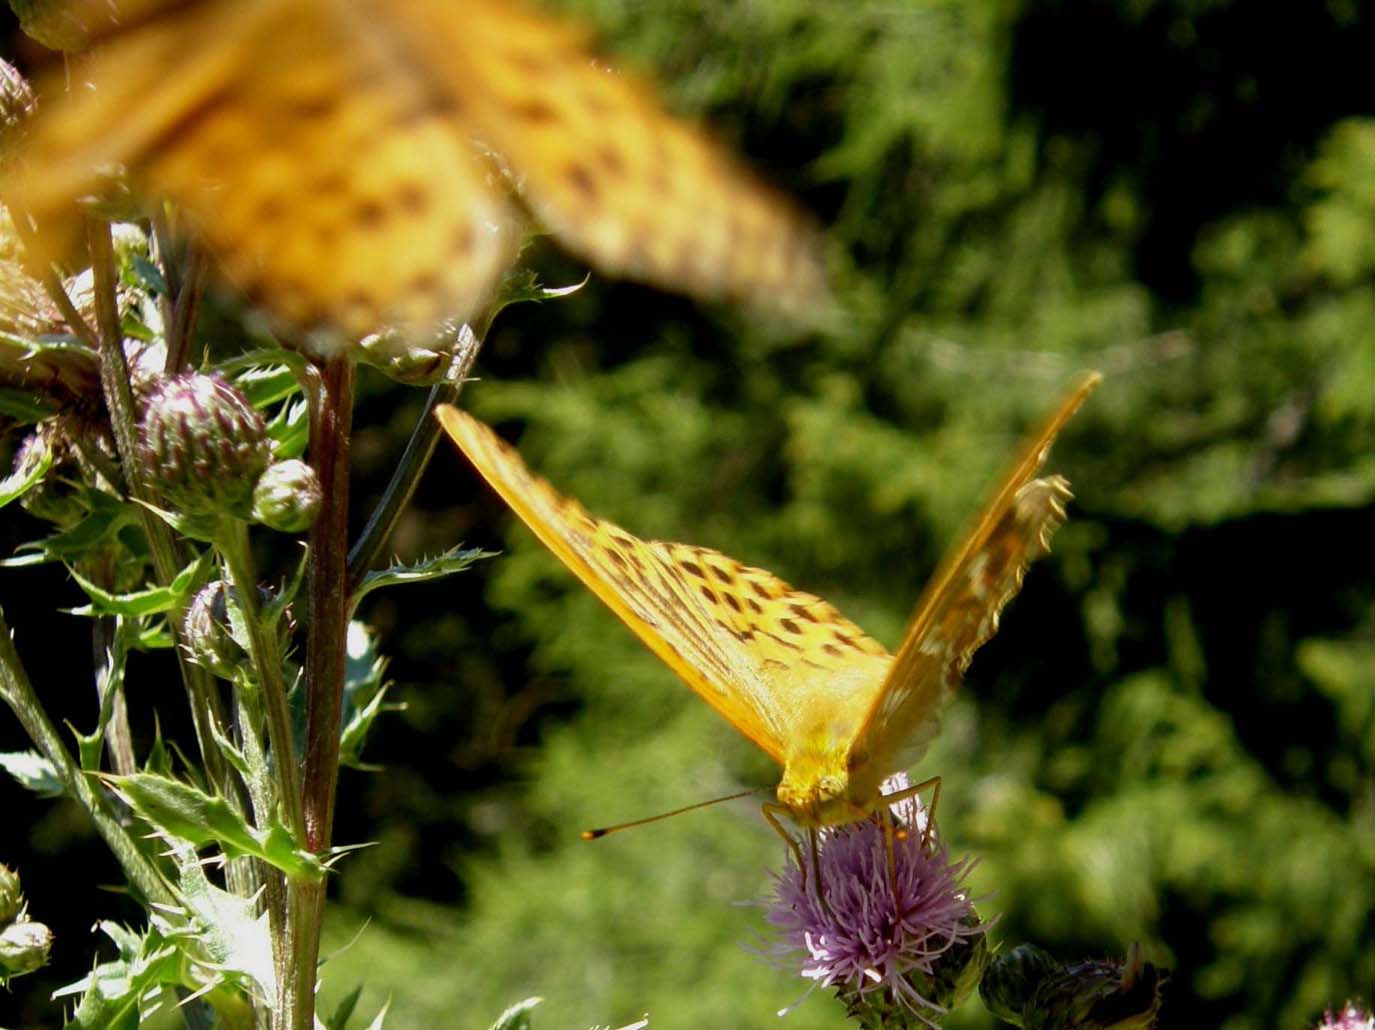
<point x="771" y="812"/>
<point x="934" y="784"/>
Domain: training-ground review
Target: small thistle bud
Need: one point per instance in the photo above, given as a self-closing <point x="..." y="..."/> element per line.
<point x="1029" y="988"/>
<point x="57" y="497"/>
<point x="54" y="23"/>
<point x="24" y="948"/>
<point x="287" y="497"/>
<point x="11" y="897"/>
<point x="408" y="361"/>
<point x="207" y="633"/>
<point x="204" y="444"/>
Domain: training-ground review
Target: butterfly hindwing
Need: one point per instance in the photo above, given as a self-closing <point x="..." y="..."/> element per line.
<point x="959" y="609"/>
<point x="758" y="651"/>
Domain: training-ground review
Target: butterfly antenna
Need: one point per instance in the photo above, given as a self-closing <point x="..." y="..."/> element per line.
<point x="607" y="830"/>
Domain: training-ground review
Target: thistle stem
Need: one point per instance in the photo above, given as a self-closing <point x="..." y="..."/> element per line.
<point x="416" y="457"/>
<point x="331" y="394"/>
<point x="206" y="715"/>
<point x="19" y="694"/>
<point x="265" y="651"/>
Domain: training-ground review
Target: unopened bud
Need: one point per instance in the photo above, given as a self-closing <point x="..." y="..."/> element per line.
<point x="58" y="496"/>
<point x="24" y="948"/>
<point x="208" y="635"/>
<point x="1030" y="989"/>
<point x="287" y="496"/>
<point x="204" y="444"/>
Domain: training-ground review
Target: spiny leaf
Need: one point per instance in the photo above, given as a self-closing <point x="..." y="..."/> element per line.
<point x="120" y="994"/>
<point x="188" y="814"/>
<point x="139" y="602"/>
<point x="455" y="559"/>
<point x="33" y="771"/>
<point x="517" y="1017"/>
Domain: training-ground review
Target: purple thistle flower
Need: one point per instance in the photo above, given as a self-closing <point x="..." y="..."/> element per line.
<point x="1349" y="1018"/>
<point x="900" y="957"/>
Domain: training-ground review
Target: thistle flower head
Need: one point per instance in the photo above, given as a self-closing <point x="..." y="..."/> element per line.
<point x="899" y="947"/>
<point x="1349" y="1018"/>
<point x="204" y="444"/>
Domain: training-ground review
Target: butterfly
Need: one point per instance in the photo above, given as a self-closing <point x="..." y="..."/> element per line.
<point x="360" y="164"/>
<point x="787" y="670"/>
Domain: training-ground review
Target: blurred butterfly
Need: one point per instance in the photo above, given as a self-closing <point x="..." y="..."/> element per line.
<point x="787" y="670"/>
<point x="350" y="162"/>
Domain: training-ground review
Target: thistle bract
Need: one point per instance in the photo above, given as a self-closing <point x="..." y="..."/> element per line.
<point x="11" y="897"/>
<point x="204" y="444"/>
<point x="1029" y="988"/>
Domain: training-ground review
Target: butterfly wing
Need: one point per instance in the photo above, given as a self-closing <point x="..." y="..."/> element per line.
<point x="335" y="156"/>
<point x="958" y="611"/>
<point x="761" y="653"/>
<point x="618" y="182"/>
<point x="327" y="180"/>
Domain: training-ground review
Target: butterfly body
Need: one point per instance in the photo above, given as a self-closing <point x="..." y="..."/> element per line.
<point x="787" y="670"/>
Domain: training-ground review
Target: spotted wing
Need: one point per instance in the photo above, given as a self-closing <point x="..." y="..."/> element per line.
<point x="618" y="182"/>
<point x="959" y="608"/>
<point x="759" y="652"/>
<point x="336" y="156"/>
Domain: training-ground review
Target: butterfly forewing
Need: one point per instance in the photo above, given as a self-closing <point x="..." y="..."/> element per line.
<point x="761" y="653"/>
<point x="959" y="608"/>
<point x="342" y="157"/>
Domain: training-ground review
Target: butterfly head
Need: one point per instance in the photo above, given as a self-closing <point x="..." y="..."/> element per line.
<point x="822" y="786"/>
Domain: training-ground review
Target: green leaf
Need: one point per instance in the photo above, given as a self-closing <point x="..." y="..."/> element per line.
<point x="146" y="274"/>
<point x="139" y="602"/>
<point x="108" y="516"/>
<point x="32" y="770"/>
<point x="289" y="430"/>
<point x="517" y="1017"/>
<point x="124" y="992"/>
<point x="364" y="693"/>
<point x="343" y="1012"/>
<point x="225" y="940"/>
<point x="456" y="559"/>
<point x="24" y="406"/>
<point x="19" y="482"/>
<point x="267" y="384"/>
<point x="185" y="813"/>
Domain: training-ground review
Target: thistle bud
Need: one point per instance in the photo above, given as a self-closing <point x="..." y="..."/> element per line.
<point x="11" y="897"/>
<point x="1029" y="988"/>
<point x="204" y="444"/>
<point x="207" y="633"/>
<point x="57" y="497"/>
<point x="287" y="497"/>
<point x="54" y="23"/>
<point x="24" y="948"/>
<point x="420" y="364"/>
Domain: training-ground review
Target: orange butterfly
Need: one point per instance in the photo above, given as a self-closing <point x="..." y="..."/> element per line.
<point x="787" y="670"/>
<point x="342" y="158"/>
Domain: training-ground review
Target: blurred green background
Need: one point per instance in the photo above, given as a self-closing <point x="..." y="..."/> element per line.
<point x="1172" y="738"/>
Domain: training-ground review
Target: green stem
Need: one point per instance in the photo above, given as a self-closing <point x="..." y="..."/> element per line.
<point x="19" y="694"/>
<point x="265" y="651"/>
<point x="419" y="449"/>
<point x="206" y="715"/>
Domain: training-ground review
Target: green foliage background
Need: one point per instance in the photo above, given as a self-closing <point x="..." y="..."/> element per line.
<point x="1171" y="740"/>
